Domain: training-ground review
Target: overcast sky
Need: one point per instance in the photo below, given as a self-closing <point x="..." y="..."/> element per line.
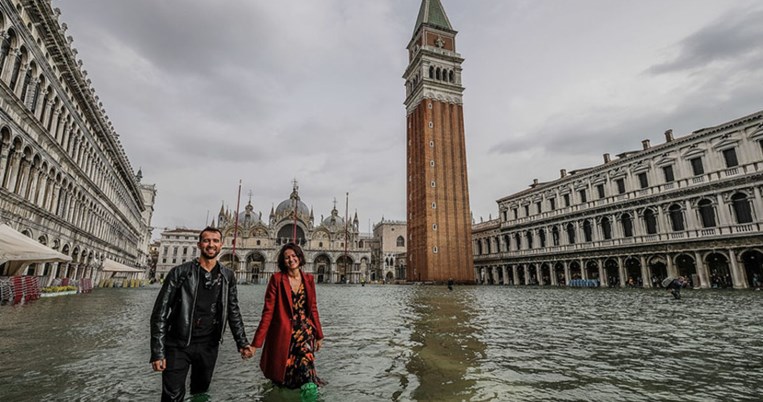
<point x="204" y="93"/>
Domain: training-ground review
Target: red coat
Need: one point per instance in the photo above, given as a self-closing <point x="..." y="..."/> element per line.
<point x="275" y="325"/>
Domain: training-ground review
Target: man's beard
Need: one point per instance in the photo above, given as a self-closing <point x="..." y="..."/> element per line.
<point x="210" y="256"/>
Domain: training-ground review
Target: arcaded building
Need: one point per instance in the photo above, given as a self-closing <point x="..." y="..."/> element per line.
<point x="690" y="206"/>
<point x="388" y="251"/>
<point x="335" y="249"/>
<point x="65" y="179"/>
<point x="439" y="218"/>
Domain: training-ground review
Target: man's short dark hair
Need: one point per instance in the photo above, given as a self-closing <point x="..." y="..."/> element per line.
<point x="282" y="261"/>
<point x="210" y="229"/>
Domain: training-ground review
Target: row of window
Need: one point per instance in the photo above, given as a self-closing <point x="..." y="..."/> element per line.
<point x="729" y="155"/>
<point x="706" y="211"/>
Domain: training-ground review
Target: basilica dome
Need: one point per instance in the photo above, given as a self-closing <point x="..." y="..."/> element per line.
<point x="286" y="207"/>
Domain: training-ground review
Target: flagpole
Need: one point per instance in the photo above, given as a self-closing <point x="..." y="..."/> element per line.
<point x="235" y="225"/>
<point x="346" y="234"/>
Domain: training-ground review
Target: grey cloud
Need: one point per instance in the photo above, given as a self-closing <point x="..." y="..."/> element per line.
<point x="733" y="36"/>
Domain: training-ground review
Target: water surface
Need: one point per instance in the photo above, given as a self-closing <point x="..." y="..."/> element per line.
<point x="417" y="343"/>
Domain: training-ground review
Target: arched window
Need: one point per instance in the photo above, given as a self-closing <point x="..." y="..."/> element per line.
<point x="17" y="63"/>
<point x="542" y="237"/>
<point x="5" y="47"/>
<point x="627" y="223"/>
<point x="450" y="76"/>
<point x="650" y="221"/>
<point x="529" y="236"/>
<point x="431" y="71"/>
<point x="741" y="207"/>
<point x="437" y="73"/>
<point x="555" y="235"/>
<point x="606" y="228"/>
<point x="488" y="246"/>
<point x="400" y="241"/>
<point x="518" y="239"/>
<point x="587" y="231"/>
<point x="706" y="213"/>
<point x="571" y="233"/>
<point x="676" y="218"/>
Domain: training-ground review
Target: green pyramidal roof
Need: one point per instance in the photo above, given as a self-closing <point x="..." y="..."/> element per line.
<point x="432" y="13"/>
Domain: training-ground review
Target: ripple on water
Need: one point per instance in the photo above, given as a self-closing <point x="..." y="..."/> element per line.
<point x="402" y="343"/>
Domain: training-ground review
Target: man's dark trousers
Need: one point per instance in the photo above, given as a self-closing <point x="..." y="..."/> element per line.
<point x="200" y="357"/>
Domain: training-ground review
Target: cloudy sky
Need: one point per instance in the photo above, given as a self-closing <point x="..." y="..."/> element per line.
<point x="207" y="93"/>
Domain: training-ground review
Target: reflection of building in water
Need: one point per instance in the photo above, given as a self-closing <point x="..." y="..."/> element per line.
<point x="388" y="251"/>
<point x="65" y="179"/>
<point x="258" y="242"/>
<point x="691" y="206"/>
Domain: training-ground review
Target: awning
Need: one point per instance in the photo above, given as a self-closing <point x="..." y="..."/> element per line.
<point x="22" y="250"/>
<point x="113" y="266"/>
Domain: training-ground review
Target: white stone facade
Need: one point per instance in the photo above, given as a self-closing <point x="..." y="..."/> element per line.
<point x="389" y="250"/>
<point x="65" y="179"/>
<point x="691" y="206"/>
<point x="328" y="255"/>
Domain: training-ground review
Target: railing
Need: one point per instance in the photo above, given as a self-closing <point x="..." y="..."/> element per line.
<point x="732" y="171"/>
<point x="698" y="179"/>
<point x="669" y="186"/>
<point x="707" y="232"/>
<point x="679" y="235"/>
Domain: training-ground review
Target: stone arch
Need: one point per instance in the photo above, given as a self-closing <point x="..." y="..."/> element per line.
<point x="633" y="272"/>
<point x="612" y="270"/>
<point x="591" y="269"/>
<point x="719" y="268"/>
<point x="322" y="268"/>
<point x="561" y="280"/>
<point x="752" y="260"/>
<point x="254" y="268"/>
<point x="687" y="267"/>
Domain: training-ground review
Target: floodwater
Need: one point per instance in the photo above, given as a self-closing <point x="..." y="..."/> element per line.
<point x="417" y="343"/>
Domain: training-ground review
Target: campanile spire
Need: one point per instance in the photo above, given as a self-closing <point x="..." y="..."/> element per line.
<point x="439" y="227"/>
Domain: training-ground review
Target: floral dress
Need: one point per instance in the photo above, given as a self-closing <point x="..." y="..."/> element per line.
<point x="300" y="365"/>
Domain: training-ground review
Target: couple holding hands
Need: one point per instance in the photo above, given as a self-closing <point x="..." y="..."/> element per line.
<point x="198" y="298"/>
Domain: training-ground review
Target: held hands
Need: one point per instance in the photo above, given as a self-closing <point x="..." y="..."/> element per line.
<point x="247" y="352"/>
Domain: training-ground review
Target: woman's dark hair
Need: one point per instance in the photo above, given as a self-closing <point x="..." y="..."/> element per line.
<point x="296" y="249"/>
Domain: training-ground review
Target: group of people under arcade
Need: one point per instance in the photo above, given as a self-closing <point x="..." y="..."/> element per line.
<point x="199" y="298"/>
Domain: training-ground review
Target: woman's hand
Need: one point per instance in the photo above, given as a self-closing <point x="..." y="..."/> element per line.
<point x="318" y="344"/>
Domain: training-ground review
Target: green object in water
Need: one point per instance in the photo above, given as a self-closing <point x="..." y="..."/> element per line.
<point x="202" y="397"/>
<point x="308" y="392"/>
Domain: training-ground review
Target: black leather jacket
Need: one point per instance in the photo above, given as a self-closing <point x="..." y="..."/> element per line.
<point x="175" y="304"/>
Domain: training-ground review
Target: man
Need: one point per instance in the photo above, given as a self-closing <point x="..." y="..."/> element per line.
<point x="675" y="287"/>
<point x="188" y="320"/>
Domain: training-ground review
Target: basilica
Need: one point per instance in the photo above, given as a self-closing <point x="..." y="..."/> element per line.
<point x="335" y="250"/>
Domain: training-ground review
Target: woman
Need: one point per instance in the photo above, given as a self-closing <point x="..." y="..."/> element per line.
<point x="290" y="327"/>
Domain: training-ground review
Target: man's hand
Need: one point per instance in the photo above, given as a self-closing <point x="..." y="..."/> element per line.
<point x="159" y="365"/>
<point x="247" y="351"/>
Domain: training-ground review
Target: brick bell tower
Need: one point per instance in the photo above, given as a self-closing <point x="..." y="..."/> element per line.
<point x="439" y="217"/>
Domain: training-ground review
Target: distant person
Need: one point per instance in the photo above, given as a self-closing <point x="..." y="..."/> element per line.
<point x="189" y="317"/>
<point x="290" y="327"/>
<point x="450" y="283"/>
<point x="675" y="287"/>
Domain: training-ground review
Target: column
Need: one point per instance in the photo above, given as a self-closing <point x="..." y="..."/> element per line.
<point x="13" y="171"/>
<point x="505" y="272"/>
<point x="737" y="275"/>
<point x="603" y="280"/>
<point x="724" y="219"/>
<point x="566" y="273"/>
<point x="515" y="275"/>
<point x="691" y="218"/>
<point x="526" y="269"/>
<point x="621" y="272"/>
<point x="552" y="274"/>
<point x="539" y="274"/>
<point x="672" y="271"/>
<point x="646" y="279"/>
<point x="702" y="272"/>
<point x="757" y="204"/>
<point x="583" y="270"/>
